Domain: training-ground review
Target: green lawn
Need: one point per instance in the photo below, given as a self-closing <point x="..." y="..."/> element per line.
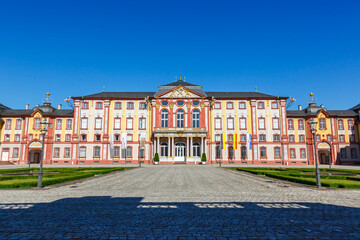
<point x="301" y="175"/>
<point x="60" y="175"/>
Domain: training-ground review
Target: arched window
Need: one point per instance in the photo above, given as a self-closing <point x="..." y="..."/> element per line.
<point x="180" y="118"/>
<point x="196" y="149"/>
<point x="196" y="118"/>
<point x="164" y="118"/>
<point x="164" y="149"/>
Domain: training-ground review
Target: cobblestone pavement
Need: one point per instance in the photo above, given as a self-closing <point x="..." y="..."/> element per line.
<point x="180" y="202"/>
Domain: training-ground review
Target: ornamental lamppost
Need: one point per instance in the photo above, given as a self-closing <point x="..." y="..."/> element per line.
<point x="44" y="128"/>
<point x="313" y="124"/>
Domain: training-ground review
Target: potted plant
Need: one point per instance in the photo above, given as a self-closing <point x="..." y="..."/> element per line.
<point x="156" y="159"/>
<point x="203" y="158"/>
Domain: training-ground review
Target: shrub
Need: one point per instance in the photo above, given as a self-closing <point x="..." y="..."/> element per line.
<point x="203" y="157"/>
<point x="156" y="157"/>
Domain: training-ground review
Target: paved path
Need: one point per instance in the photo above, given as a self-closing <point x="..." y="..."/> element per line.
<point x="180" y="202"/>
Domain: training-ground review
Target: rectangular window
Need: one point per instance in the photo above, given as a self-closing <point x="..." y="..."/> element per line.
<point x="8" y="124"/>
<point x="56" y="152"/>
<point x="57" y="137"/>
<point x="217" y="123"/>
<point x="82" y="151"/>
<point x="97" y="137"/>
<point x="230" y="123"/>
<point x="17" y="138"/>
<point x="129" y="152"/>
<point x="217" y="137"/>
<point x="84" y="123"/>
<point x="242" y="105"/>
<point x="261" y="105"/>
<point x="116" y="151"/>
<point x="317" y="137"/>
<point x="276" y="138"/>
<point x="15" y="153"/>
<point x="291" y="124"/>
<point x="217" y="105"/>
<point x="262" y="138"/>
<point x="261" y="123"/>
<point x="352" y="138"/>
<point x="129" y="137"/>
<point x="30" y="137"/>
<point x="292" y="153"/>
<point x="68" y="124"/>
<point x="98" y="123"/>
<point x="274" y="105"/>
<point x="58" y="124"/>
<point x="83" y="137"/>
<point x="129" y="123"/>
<point x="231" y="152"/>
<point x="68" y="137"/>
<point x="243" y="137"/>
<point x="322" y="123"/>
<point x="302" y="153"/>
<point x="18" y="124"/>
<point x="342" y="138"/>
<point x="85" y="105"/>
<point x="350" y="125"/>
<point x="301" y="125"/>
<point x="341" y="124"/>
<point x="302" y="138"/>
<point x="291" y="138"/>
<point x="142" y="123"/>
<point x="118" y="105"/>
<point x="243" y="123"/>
<point x="141" y="153"/>
<point x="243" y="152"/>
<point x="99" y="105"/>
<point x="67" y="153"/>
<point x="277" y="152"/>
<point x="343" y="153"/>
<point x="117" y="137"/>
<point x="7" y="138"/>
<point x="142" y="105"/>
<point x="218" y="152"/>
<point x="130" y="105"/>
<point x="230" y="137"/>
<point x="263" y="152"/>
<point x="117" y="123"/>
<point x="37" y="123"/>
<point x="353" y="153"/>
<point x="328" y="138"/>
<point x="229" y="105"/>
<point x="275" y="123"/>
<point x="96" y="151"/>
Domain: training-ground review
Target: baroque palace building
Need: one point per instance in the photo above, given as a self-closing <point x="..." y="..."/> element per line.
<point x="180" y="122"/>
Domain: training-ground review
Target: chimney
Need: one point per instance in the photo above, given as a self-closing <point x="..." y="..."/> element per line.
<point x="59" y="106"/>
<point x="27" y="107"/>
<point x="299" y="107"/>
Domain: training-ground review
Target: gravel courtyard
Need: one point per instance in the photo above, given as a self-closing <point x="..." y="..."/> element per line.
<point x="180" y="202"/>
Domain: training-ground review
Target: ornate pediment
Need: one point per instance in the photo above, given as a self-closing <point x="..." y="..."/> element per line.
<point x="180" y="92"/>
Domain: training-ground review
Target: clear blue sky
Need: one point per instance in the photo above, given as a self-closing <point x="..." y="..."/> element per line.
<point x="74" y="48"/>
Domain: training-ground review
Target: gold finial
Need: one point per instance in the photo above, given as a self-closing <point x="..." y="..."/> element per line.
<point x="47" y="94"/>
<point x="311" y="94"/>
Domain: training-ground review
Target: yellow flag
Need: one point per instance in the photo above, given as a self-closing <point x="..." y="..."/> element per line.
<point x="236" y="141"/>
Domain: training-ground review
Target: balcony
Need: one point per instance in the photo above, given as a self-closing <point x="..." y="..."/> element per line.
<point x="180" y="132"/>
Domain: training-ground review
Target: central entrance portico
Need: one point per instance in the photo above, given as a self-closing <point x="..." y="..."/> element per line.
<point x="180" y="144"/>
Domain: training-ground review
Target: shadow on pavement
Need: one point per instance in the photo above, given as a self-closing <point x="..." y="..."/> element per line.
<point x="129" y="218"/>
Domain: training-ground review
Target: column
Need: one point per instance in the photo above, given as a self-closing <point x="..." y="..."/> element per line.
<point x="202" y="146"/>
<point x="187" y="147"/>
<point x="158" y="144"/>
<point x="173" y="146"/>
<point x="169" y="147"/>
<point x="191" y="146"/>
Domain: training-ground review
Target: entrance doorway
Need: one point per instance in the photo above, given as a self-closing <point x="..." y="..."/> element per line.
<point x="324" y="156"/>
<point x="5" y="155"/>
<point x="34" y="156"/>
<point x="180" y="151"/>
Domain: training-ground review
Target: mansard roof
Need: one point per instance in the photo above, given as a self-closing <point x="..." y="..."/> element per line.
<point x="306" y="113"/>
<point x="164" y="88"/>
<point x="28" y="112"/>
<point x="356" y="108"/>
<point x="107" y="95"/>
<point x="2" y="107"/>
<point x="240" y="95"/>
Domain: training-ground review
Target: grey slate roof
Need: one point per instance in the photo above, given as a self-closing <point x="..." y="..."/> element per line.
<point x="304" y="113"/>
<point x="24" y="112"/>
<point x="118" y="95"/>
<point x="239" y="95"/>
<point x="2" y="107"/>
<point x="167" y="87"/>
<point x="356" y="108"/>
